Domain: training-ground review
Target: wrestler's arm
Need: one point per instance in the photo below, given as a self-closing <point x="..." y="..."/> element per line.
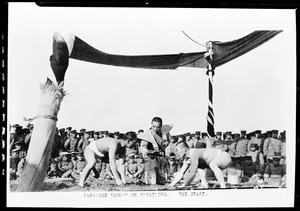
<point x="121" y="163"/>
<point x="112" y="162"/>
<point x="193" y="170"/>
<point x="180" y="173"/>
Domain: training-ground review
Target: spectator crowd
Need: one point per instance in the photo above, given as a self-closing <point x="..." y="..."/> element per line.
<point x="257" y="158"/>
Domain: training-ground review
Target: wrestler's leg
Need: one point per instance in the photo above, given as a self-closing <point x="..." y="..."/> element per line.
<point x="222" y="161"/>
<point x="202" y="174"/>
<point x="89" y="156"/>
<point x="121" y="169"/>
<point x="217" y="171"/>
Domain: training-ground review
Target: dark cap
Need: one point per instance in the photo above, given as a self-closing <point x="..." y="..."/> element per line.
<point x="275" y="131"/>
<point x="61" y="129"/>
<point x="228" y="133"/>
<point x="140" y="131"/>
<point x="187" y="134"/>
<point x="105" y="132"/>
<point x="193" y="135"/>
<point x="219" y="133"/>
<point x="69" y="128"/>
<point x="181" y="136"/>
<point x="197" y="132"/>
<point x="258" y="132"/>
<point x="248" y="157"/>
<point x="277" y="155"/>
<point x="204" y="134"/>
<point x="172" y="137"/>
<point x="16" y="125"/>
<point x="121" y="135"/>
<point x="243" y="132"/>
<point x="116" y="133"/>
<point x="73" y="131"/>
<point x="97" y="133"/>
<point x="88" y="132"/>
<point x="82" y="130"/>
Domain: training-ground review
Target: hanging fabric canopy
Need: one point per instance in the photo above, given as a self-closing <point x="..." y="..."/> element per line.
<point x="223" y="53"/>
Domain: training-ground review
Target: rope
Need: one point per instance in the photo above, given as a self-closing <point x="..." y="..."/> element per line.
<point x="46" y="116"/>
<point x="192" y="39"/>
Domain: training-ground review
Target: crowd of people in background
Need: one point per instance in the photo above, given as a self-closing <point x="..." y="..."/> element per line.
<point x="256" y="157"/>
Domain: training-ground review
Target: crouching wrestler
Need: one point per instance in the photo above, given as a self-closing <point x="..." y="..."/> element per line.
<point x="199" y="159"/>
<point x="111" y="148"/>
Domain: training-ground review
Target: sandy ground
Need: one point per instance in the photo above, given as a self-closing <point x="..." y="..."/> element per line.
<point x="67" y="185"/>
<point x="92" y="184"/>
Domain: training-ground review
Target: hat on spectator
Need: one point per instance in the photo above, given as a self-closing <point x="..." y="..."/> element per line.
<point x="187" y="134"/>
<point x="121" y="135"/>
<point x="204" y="135"/>
<point x="275" y="131"/>
<point x="243" y="132"/>
<point x="228" y="133"/>
<point x="15" y="125"/>
<point x="197" y="132"/>
<point x="16" y="149"/>
<point x="61" y="130"/>
<point x="82" y="130"/>
<point x="105" y="132"/>
<point x="19" y="128"/>
<point x="180" y="136"/>
<point x="277" y="155"/>
<point x="248" y="157"/>
<point x="69" y="128"/>
<point x="117" y="133"/>
<point x="64" y="153"/>
<point x="258" y="132"/>
<point x="193" y="135"/>
<point x="73" y="132"/>
<point x="97" y="133"/>
<point x="219" y="133"/>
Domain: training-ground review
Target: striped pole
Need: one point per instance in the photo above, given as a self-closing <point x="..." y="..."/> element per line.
<point x="210" y="114"/>
<point x="210" y="72"/>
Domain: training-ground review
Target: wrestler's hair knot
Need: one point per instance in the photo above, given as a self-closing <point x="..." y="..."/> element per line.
<point x="130" y="136"/>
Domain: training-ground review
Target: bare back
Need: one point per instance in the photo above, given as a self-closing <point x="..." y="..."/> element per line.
<point x="206" y="154"/>
<point x="104" y="144"/>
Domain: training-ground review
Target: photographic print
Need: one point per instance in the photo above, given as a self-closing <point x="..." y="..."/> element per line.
<point x="150" y="107"/>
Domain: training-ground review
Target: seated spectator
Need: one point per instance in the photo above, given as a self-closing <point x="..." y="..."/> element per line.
<point x="106" y="173"/>
<point x="257" y="156"/>
<point x="131" y="169"/>
<point x="275" y="173"/>
<point x="252" y="171"/>
<point x="21" y="165"/>
<point x="174" y="165"/>
<point x="14" y="161"/>
<point x="78" y="166"/>
<point x="65" y="165"/>
<point x="234" y="172"/>
<point x="53" y="171"/>
<point x="98" y="165"/>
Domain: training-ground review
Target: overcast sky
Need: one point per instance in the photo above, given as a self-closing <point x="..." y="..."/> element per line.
<point x="254" y="91"/>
